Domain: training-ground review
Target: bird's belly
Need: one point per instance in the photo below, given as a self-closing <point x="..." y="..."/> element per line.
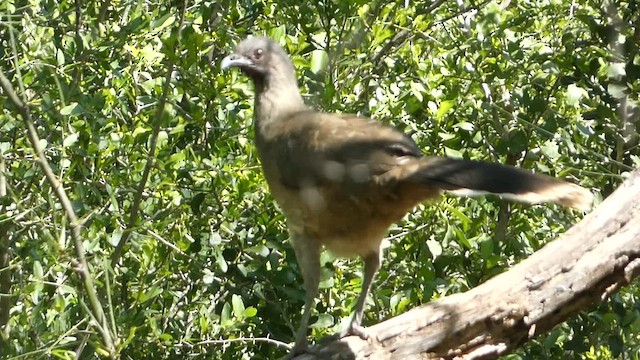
<point x="346" y="223"/>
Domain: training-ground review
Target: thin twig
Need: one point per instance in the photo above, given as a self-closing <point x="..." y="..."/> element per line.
<point x="58" y="189"/>
<point x="247" y="340"/>
<point x="162" y="240"/>
<point x="160" y="111"/>
<point x="5" y="260"/>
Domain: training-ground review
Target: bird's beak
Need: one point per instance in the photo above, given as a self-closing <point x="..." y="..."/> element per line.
<point x="235" y="60"/>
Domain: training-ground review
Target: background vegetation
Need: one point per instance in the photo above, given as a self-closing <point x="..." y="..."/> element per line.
<point x="186" y="253"/>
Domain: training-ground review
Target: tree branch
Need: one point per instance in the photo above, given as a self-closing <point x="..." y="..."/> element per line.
<point x="5" y="259"/>
<point x="587" y="264"/>
<point x="135" y="207"/>
<point x="83" y="268"/>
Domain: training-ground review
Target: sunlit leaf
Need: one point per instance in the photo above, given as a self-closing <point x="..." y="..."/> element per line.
<point x="574" y="94"/>
<point x="444" y="108"/>
<point x="70" y="140"/>
<point x="324" y="321"/>
<point x="434" y="247"/>
<point x="238" y="305"/>
<point x="319" y="60"/>
<point x="72" y="109"/>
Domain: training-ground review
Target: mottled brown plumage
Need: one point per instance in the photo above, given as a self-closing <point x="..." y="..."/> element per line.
<point x="342" y="180"/>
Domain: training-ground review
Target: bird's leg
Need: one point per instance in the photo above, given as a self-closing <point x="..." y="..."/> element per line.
<point x="371" y="266"/>
<point x="308" y="256"/>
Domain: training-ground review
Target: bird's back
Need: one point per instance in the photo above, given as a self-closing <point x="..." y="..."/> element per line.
<point x="325" y="172"/>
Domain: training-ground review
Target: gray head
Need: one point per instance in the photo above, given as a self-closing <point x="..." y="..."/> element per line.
<point x="260" y="58"/>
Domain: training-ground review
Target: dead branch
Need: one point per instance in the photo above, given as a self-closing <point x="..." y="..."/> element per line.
<point x="591" y="261"/>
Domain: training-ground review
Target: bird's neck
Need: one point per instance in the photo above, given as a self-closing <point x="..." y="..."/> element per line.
<point x="276" y="96"/>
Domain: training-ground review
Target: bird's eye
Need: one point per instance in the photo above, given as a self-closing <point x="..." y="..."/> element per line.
<point x="257" y="54"/>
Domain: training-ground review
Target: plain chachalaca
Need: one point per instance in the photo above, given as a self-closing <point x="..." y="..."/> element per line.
<point x="342" y="180"/>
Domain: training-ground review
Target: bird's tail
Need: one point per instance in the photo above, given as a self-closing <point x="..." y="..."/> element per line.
<point x="468" y="178"/>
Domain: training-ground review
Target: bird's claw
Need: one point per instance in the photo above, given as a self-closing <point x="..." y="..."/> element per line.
<point x="357" y="330"/>
<point x="299" y="349"/>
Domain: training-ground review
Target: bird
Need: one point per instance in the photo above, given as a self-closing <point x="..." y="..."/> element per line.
<point x="342" y="180"/>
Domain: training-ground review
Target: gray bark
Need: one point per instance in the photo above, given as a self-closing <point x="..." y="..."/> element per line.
<point x="587" y="264"/>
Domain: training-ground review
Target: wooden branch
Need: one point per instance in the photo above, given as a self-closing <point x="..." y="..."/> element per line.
<point x="591" y="261"/>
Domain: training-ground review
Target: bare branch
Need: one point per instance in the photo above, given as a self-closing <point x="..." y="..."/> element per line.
<point x="243" y="340"/>
<point x="589" y="263"/>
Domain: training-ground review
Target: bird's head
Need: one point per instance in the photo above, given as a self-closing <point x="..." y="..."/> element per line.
<point x="257" y="57"/>
<point x="272" y="73"/>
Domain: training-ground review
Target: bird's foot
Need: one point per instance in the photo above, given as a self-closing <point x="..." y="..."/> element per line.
<point x="299" y="349"/>
<point x="354" y="329"/>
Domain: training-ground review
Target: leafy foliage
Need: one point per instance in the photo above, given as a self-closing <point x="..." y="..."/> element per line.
<point x="153" y="145"/>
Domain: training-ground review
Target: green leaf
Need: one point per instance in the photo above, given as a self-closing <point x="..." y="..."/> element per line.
<point x="616" y="70"/>
<point x="550" y="149"/>
<point x="465" y="125"/>
<point x="238" y="306"/>
<point x="434" y="247"/>
<point x="444" y="108"/>
<point x="4" y="147"/>
<point x="208" y="277"/>
<point x="163" y="137"/>
<point x="196" y="202"/>
<point x="162" y="22"/>
<point x="417" y="89"/>
<point x="60" y="57"/>
<point x="586" y="128"/>
<point x="70" y="140"/>
<point x="225" y="315"/>
<point x="203" y="323"/>
<point x="250" y="312"/>
<point x="215" y="239"/>
<point x="463" y="239"/>
<point x="324" y="321"/>
<point x="363" y="11"/>
<point x="327" y="280"/>
<point x="452" y="152"/>
<point x="486" y="247"/>
<point x="130" y="337"/>
<point x="150" y="294"/>
<point x="72" y="109"/>
<point x="395" y="299"/>
<point x="115" y="237"/>
<point x="459" y="215"/>
<point x="259" y="250"/>
<point x="278" y="33"/>
<point x="319" y="60"/>
<point x="222" y="263"/>
<point x="617" y="91"/>
<point x="66" y="289"/>
<point x="574" y="94"/>
<point x="38" y="272"/>
<point x="62" y="354"/>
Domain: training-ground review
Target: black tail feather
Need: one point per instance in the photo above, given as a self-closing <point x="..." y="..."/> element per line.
<point x="468" y="178"/>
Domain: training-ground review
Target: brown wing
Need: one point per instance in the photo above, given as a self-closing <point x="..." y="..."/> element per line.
<point x="327" y="172"/>
<point x="315" y="149"/>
